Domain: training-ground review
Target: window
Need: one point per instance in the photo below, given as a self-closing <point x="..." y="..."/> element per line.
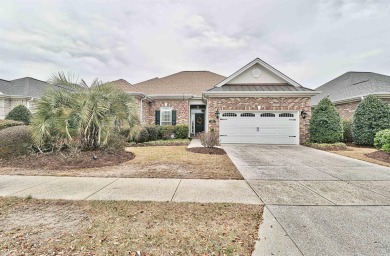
<point x="229" y="114"/>
<point x="286" y="115"/>
<point x="267" y="115"/>
<point x="166" y="116"/>
<point x="248" y="115"/>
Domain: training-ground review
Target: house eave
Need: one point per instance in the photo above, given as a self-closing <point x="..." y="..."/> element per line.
<point x="171" y="96"/>
<point x="384" y="95"/>
<point x="15" y="96"/>
<point x="222" y="94"/>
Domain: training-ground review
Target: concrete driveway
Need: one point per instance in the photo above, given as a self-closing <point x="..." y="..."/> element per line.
<point x="317" y="203"/>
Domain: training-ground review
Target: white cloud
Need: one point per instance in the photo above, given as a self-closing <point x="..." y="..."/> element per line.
<point x="311" y="41"/>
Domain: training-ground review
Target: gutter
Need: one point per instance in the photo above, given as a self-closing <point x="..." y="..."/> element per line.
<point x="384" y="95"/>
<point x="222" y="94"/>
<point x="171" y="96"/>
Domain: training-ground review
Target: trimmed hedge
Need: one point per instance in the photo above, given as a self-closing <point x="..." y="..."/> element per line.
<point x="371" y="116"/>
<point x="347" y="131"/>
<point x="143" y="136"/>
<point x="325" y="124"/>
<point x="19" y="113"/>
<point x="15" y="141"/>
<point x="181" y="131"/>
<point x="153" y="132"/>
<point x="9" y="123"/>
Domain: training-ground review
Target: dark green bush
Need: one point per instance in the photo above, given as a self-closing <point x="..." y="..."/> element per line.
<point x="160" y="132"/>
<point x="15" y="141"/>
<point x="325" y="124"/>
<point x="153" y="132"/>
<point x="143" y="136"/>
<point x="9" y="123"/>
<point x="371" y="116"/>
<point x="19" y="113"/>
<point x="347" y="131"/>
<point x="167" y="131"/>
<point x="181" y="131"/>
<point x="382" y="140"/>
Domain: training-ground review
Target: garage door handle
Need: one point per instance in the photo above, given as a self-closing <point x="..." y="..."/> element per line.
<point x="292" y="136"/>
<point x="258" y="129"/>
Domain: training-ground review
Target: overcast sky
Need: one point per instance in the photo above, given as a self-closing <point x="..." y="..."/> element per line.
<point x="310" y="41"/>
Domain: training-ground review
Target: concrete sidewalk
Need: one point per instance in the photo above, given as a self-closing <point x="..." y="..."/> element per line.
<point x="132" y="189"/>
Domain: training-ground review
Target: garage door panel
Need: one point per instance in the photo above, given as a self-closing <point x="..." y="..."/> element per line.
<point x="260" y="128"/>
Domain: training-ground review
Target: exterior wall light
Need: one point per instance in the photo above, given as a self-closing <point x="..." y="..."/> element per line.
<point x="303" y="114"/>
<point x="217" y="114"/>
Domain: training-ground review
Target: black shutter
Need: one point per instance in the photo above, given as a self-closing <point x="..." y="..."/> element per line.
<point x="173" y="117"/>
<point x="157" y="118"/>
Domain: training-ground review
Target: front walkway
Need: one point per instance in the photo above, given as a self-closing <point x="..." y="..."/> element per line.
<point x="132" y="189"/>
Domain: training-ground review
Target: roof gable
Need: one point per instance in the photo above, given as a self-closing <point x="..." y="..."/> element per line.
<point x="267" y="75"/>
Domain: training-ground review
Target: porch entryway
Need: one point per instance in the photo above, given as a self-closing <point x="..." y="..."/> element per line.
<point x="197" y="122"/>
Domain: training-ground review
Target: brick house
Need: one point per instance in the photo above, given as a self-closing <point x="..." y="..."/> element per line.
<point x="256" y="104"/>
<point x="348" y="90"/>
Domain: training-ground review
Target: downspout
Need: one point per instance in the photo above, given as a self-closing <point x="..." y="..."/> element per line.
<point x="140" y="114"/>
<point x="28" y="103"/>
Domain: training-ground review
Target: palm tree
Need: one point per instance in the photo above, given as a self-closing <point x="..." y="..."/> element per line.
<point x="81" y="115"/>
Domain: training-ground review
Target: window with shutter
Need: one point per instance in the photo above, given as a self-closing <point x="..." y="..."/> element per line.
<point x="166" y="116"/>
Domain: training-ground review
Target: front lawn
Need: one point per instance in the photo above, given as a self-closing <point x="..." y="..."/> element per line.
<point x="367" y="154"/>
<point x="149" y="162"/>
<point x="56" y="227"/>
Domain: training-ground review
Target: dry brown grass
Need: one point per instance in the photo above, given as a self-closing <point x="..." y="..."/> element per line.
<point x="153" y="162"/>
<point x="47" y="227"/>
<point x="359" y="153"/>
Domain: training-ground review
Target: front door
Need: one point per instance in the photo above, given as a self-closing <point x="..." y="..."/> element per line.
<point x="199" y="122"/>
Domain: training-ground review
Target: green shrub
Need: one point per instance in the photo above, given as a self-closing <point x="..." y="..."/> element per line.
<point x="15" y="141"/>
<point x="115" y="143"/>
<point x="153" y="132"/>
<point x="325" y="124"/>
<point x="382" y="140"/>
<point x="371" y="116"/>
<point x="167" y="131"/>
<point x="9" y="123"/>
<point x="160" y="132"/>
<point x="143" y="135"/>
<point x="209" y="139"/>
<point x="347" y="131"/>
<point x="181" y="131"/>
<point x="19" y="113"/>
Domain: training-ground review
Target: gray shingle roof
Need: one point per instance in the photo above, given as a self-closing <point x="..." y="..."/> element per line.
<point x="27" y="86"/>
<point x="352" y="85"/>
<point x="258" y="87"/>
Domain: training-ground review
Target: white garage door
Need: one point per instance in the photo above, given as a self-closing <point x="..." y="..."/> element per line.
<point x="266" y="127"/>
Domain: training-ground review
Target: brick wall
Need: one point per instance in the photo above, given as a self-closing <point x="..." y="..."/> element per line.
<point x="266" y="103"/>
<point x="347" y="110"/>
<point x="181" y="117"/>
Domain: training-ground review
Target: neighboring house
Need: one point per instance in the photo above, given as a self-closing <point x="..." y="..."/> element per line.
<point x="21" y="91"/>
<point x="257" y="104"/>
<point x="348" y="90"/>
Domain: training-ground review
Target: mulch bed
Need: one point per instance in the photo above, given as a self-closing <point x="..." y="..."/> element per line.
<point x="379" y="155"/>
<point x="66" y="161"/>
<point x="158" y="145"/>
<point x="208" y="151"/>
